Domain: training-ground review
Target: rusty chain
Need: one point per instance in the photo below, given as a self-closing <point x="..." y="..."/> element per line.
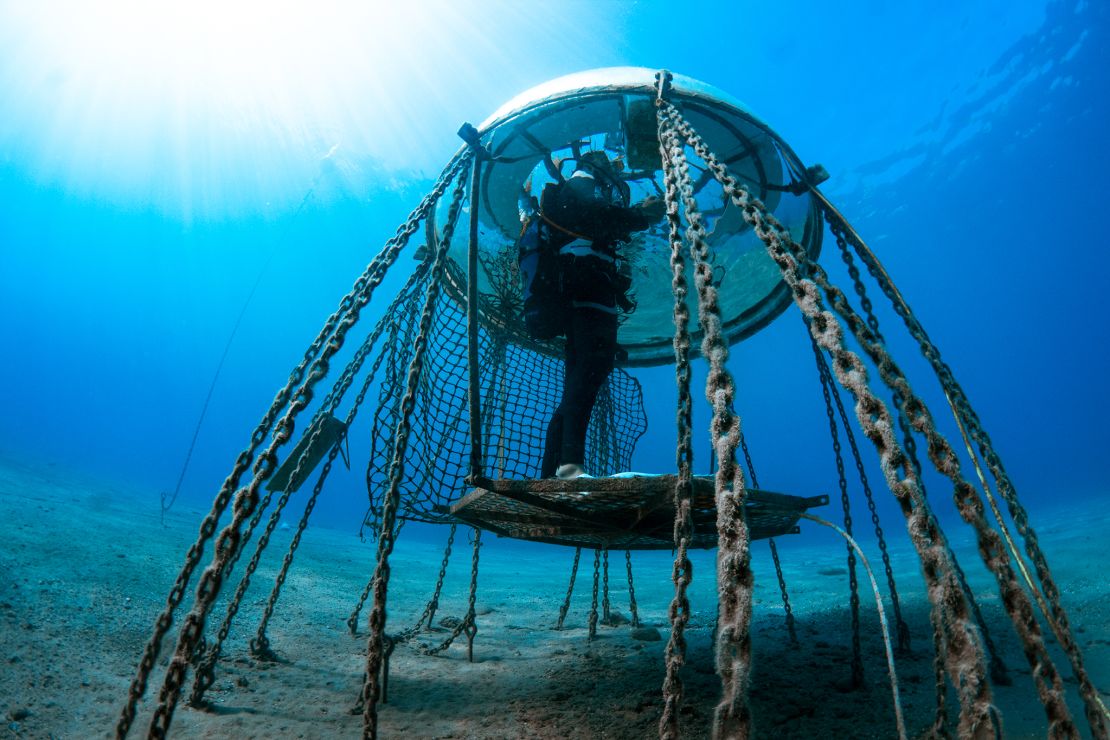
<point x="593" y="602"/>
<point x="964" y="657"/>
<point x="903" y="629"/>
<point x="570" y="590"/>
<point x="774" y="549"/>
<point x="468" y="624"/>
<point x="631" y="590"/>
<point x="328" y="342"/>
<point x="734" y="575"/>
<point x="606" y="617"/>
<point x="994" y="555"/>
<point x="827" y="388"/>
<point x="1095" y="714"/>
<point x="377" y="617"/>
<point x="682" y="572"/>
<point x="260" y="645"/>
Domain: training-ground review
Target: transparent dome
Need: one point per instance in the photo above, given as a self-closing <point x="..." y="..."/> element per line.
<point x="535" y="138"/>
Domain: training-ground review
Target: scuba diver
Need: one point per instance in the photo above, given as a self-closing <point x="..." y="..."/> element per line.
<point x="574" y="284"/>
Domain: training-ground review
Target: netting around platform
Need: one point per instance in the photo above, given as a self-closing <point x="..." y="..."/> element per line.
<point x="520" y="389"/>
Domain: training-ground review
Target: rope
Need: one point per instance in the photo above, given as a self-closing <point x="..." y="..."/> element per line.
<point x="168" y="500"/>
<point x="882" y="620"/>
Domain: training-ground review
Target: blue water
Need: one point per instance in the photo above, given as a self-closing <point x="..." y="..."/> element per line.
<point x="143" y="190"/>
<point x="154" y="168"/>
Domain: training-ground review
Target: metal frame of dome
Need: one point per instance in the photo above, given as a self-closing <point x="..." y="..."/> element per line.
<point x="551" y="116"/>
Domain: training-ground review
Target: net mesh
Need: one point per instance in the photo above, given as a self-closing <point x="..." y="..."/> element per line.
<point x="520" y="389"/>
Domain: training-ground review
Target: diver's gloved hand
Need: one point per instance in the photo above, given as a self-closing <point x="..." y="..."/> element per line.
<point x="653" y="208"/>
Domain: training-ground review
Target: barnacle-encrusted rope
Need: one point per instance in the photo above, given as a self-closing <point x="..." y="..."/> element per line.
<point x="966" y="417"/>
<point x="679" y="611"/>
<point x="997" y="667"/>
<point x="227" y="542"/>
<point x="964" y="654"/>
<point x="732" y="717"/>
<point x="374" y="648"/>
<point x="993" y="553"/>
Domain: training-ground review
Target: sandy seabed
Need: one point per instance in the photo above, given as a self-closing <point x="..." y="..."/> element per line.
<point x="85" y="569"/>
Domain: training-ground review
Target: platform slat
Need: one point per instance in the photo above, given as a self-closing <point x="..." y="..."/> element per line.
<point x="626" y="513"/>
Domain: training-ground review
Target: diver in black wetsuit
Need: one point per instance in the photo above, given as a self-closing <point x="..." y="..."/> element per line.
<point x="589" y="219"/>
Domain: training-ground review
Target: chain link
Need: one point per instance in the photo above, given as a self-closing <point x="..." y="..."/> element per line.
<point x="827" y="388"/>
<point x="374" y="654"/>
<point x="964" y="654"/>
<point x="679" y="610"/>
<point x="970" y="506"/>
<point x="468" y="625"/>
<point x="631" y="591"/>
<point x="606" y="617"/>
<point x="734" y="575"/>
<point x="570" y="590"/>
<point x="593" y="602"/>
<point x="193" y="628"/>
<point x="774" y="549"/>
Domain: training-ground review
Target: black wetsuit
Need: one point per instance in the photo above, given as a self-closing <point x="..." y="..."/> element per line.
<point x="587" y="227"/>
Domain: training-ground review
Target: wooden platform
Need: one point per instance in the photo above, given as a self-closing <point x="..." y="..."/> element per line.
<point x="624" y="513"/>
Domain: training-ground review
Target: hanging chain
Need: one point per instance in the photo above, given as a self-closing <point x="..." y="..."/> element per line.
<point x="606" y="617"/>
<point x="997" y="667"/>
<point x="433" y="605"/>
<point x="899" y="402"/>
<point x="734" y="575"/>
<point x="593" y="602"/>
<point x="631" y="590"/>
<point x="246" y="499"/>
<point x="468" y="624"/>
<point x="570" y="590"/>
<point x="902" y="628"/>
<point x="682" y="572"/>
<point x="964" y="654"/>
<point x="842" y="479"/>
<point x="991" y="549"/>
<point x="205" y="674"/>
<point x="774" y="549"/>
<point x="374" y="648"/>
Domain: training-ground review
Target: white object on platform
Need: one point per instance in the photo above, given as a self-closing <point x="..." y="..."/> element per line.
<point x="571" y="471"/>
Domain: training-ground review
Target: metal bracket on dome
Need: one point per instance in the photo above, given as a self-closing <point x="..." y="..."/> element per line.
<point x="806" y="179"/>
<point x="473" y="139"/>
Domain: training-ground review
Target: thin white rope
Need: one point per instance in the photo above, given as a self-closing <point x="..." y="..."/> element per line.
<point x="882" y="620"/>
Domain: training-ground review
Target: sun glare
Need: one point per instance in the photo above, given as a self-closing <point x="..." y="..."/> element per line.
<point x="199" y="102"/>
